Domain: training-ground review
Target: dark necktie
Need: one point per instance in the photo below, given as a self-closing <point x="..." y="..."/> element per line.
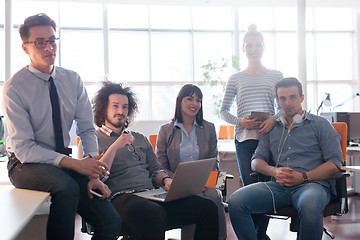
<point x="56" y="117"/>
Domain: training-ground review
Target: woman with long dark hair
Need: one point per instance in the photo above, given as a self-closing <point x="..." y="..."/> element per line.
<point x="188" y="137"/>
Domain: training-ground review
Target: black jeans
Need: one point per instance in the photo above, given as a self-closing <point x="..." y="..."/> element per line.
<point x="150" y="219"/>
<point x="68" y="190"/>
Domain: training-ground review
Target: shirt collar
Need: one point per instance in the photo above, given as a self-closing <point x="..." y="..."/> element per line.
<point x="108" y="131"/>
<point x="41" y="75"/>
<point x="179" y="125"/>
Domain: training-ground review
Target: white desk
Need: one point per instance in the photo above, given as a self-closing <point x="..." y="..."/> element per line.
<point x="353" y="152"/>
<point x="351" y="168"/>
<point x="17" y="207"/>
<point x="4" y="179"/>
<point x="352" y="164"/>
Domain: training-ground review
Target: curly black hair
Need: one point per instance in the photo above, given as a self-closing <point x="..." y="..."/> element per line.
<point x="101" y="101"/>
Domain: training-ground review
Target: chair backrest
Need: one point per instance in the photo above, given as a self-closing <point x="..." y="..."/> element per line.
<point x="152" y="139"/>
<point x="341" y="128"/>
<point x="226" y="132"/>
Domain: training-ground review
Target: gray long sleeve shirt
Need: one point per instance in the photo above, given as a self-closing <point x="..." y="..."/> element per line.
<point x="128" y="173"/>
<point x="27" y="110"/>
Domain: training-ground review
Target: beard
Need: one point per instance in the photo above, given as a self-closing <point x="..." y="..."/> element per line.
<point x="116" y="124"/>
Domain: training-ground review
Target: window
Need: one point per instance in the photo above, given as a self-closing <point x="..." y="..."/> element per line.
<point x="330" y="67"/>
<point x="83" y="52"/>
<point x="158" y="48"/>
<point x="2" y="41"/>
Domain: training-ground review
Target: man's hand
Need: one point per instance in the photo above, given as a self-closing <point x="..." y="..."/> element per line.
<point x="267" y="125"/>
<point x="288" y="177"/>
<point x="122" y="141"/>
<point x="167" y="183"/>
<point x="248" y="123"/>
<point x="97" y="184"/>
<point x="92" y="167"/>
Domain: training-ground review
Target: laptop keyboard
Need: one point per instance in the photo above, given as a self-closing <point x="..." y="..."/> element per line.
<point x="161" y="195"/>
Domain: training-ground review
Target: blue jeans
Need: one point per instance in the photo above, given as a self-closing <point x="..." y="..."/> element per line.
<point x="68" y="190"/>
<point x="309" y="199"/>
<point x="244" y="152"/>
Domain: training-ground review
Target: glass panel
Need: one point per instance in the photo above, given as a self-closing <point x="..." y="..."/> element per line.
<point x="129" y="56"/>
<point x="310" y="66"/>
<point x="86" y="14"/>
<point x="310" y="98"/>
<point x="76" y="54"/>
<point x="333" y="19"/>
<point x="213" y="18"/>
<point x="170" y="57"/>
<point x="92" y="89"/>
<point x="19" y="58"/>
<point x="262" y="17"/>
<point x="2" y="55"/>
<point x="2" y="12"/>
<point x="212" y="96"/>
<point x="144" y="102"/>
<point x="163" y="101"/>
<point x="343" y="99"/>
<point x="213" y="47"/>
<point x="24" y="9"/>
<point x="309" y="19"/>
<point x="127" y="16"/>
<point x="287" y="54"/>
<point x="334" y="56"/>
<point x="170" y="17"/>
<point x="285" y="19"/>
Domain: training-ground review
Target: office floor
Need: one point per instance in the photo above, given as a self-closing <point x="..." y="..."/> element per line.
<point x="346" y="227"/>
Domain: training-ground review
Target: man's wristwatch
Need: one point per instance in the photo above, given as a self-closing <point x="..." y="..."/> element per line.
<point x="305" y="178"/>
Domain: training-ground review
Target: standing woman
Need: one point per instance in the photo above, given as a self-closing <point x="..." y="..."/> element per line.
<point x="254" y="90"/>
<point x="188" y="137"/>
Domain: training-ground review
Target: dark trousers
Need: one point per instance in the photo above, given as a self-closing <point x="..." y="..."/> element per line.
<point x="150" y="219"/>
<point x="68" y="190"/>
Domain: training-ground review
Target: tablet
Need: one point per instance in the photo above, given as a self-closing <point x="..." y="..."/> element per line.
<point x="261" y="116"/>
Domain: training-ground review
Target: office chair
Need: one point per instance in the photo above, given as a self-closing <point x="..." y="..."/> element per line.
<point x="152" y="140"/>
<point x="338" y="205"/>
<point x="226" y="132"/>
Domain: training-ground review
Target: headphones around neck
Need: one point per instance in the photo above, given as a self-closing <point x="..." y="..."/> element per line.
<point x="296" y="119"/>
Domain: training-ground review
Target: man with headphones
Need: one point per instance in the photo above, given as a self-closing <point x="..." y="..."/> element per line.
<point x="300" y="154"/>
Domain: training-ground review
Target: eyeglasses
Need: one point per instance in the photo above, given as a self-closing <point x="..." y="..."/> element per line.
<point x="132" y="149"/>
<point x="42" y="43"/>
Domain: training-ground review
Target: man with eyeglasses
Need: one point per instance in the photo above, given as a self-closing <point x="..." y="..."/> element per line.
<point x="134" y="168"/>
<point x="40" y="103"/>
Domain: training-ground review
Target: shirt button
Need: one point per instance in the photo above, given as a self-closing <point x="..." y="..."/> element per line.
<point x="289" y="147"/>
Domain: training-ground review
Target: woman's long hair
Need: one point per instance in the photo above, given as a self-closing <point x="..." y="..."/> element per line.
<point x="188" y="90"/>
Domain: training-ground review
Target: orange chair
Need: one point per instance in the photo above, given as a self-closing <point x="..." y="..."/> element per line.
<point x="341" y="128"/>
<point x="226" y="132"/>
<point x="152" y="139"/>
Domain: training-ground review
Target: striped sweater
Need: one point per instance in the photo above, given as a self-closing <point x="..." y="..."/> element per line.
<point x="252" y="93"/>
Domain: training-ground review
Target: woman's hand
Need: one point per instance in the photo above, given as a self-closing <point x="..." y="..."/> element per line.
<point x="249" y="123"/>
<point x="267" y="125"/>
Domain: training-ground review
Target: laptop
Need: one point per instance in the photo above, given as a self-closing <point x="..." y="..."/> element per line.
<point x="189" y="179"/>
